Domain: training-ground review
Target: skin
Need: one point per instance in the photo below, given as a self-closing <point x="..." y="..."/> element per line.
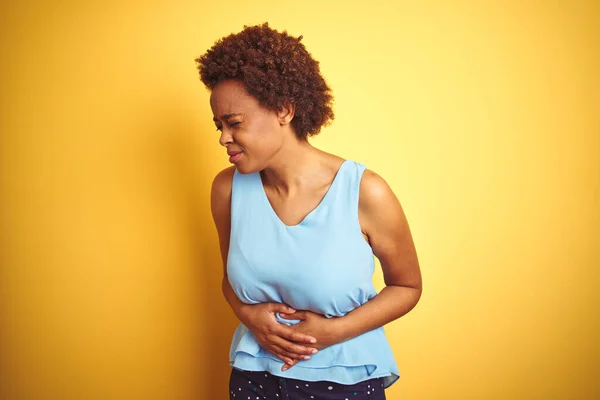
<point x="296" y="176"/>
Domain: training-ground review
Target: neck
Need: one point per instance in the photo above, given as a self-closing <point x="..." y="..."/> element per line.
<point x="292" y="167"/>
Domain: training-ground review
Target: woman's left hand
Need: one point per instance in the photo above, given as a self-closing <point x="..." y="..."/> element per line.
<point x="326" y="330"/>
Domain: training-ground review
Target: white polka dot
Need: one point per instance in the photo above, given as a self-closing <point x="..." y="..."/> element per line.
<point x="368" y="392"/>
<point x="330" y="387"/>
<point x="260" y="386"/>
<point x="240" y="389"/>
<point x="307" y="385"/>
<point x="297" y="387"/>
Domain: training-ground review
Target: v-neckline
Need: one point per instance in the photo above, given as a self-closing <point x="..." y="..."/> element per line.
<point x="314" y="210"/>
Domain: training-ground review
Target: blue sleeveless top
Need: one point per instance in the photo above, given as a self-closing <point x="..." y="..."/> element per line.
<point x="322" y="264"/>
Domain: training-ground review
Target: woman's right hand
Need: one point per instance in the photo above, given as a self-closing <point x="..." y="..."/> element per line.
<point x="275" y="337"/>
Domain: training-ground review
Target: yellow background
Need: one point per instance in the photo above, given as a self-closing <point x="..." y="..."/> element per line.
<point x="483" y="116"/>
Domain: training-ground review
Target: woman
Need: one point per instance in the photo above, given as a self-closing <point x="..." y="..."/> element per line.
<point x="298" y="228"/>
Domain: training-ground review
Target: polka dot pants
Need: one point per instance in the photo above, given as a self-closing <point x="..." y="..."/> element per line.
<point x="254" y="385"/>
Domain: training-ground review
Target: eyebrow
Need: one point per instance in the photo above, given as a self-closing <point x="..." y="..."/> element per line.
<point x="226" y="116"/>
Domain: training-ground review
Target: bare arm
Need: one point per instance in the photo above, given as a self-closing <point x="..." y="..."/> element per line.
<point x="277" y="338"/>
<point x="383" y="221"/>
<point x="220" y="205"/>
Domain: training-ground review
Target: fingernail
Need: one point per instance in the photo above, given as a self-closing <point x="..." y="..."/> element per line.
<point x="315" y="351"/>
<point x="306" y="357"/>
<point x="313" y="340"/>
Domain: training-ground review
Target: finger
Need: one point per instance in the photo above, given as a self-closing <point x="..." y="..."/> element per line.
<point x="301" y="315"/>
<point x="287" y="357"/>
<point x="293" y="356"/>
<point x="291" y="347"/>
<point x="294" y="336"/>
<point x="287" y="366"/>
<point x="283" y="350"/>
<point x="279" y="353"/>
<point x="281" y="308"/>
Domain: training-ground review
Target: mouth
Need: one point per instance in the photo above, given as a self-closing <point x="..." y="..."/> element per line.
<point x="234" y="156"/>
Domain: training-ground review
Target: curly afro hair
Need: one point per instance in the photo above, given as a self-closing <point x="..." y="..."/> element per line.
<point x="276" y="69"/>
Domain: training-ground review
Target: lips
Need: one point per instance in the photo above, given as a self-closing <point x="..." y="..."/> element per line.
<point x="234" y="156"/>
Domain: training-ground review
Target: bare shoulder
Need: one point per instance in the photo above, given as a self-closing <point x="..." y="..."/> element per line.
<point x="221" y="185"/>
<point x="221" y="192"/>
<point x="374" y="191"/>
<point x="220" y="205"/>
<point x="380" y="212"/>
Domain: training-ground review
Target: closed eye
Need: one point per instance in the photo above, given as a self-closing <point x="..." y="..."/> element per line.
<point x="232" y="124"/>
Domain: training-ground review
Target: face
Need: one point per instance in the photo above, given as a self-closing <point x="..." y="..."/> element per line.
<point x="251" y="133"/>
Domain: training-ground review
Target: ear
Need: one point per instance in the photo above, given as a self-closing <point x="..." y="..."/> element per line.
<point x="286" y="114"/>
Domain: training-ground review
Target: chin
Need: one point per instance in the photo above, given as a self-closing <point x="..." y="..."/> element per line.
<point x="243" y="169"/>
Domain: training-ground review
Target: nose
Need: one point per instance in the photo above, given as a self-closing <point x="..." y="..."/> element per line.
<point x="225" y="139"/>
